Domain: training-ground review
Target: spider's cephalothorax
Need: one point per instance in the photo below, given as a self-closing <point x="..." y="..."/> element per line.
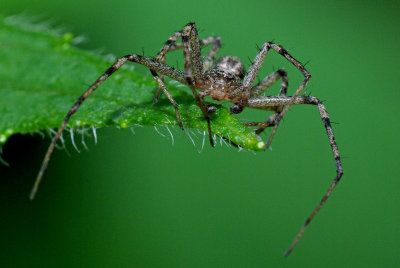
<point x="227" y="80"/>
<point x="222" y="81"/>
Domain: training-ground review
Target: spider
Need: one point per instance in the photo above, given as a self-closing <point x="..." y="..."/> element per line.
<point x="223" y="80"/>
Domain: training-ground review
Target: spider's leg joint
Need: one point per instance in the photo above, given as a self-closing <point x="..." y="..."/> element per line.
<point x="134" y="57"/>
<point x="283" y="51"/>
<point x="185" y="38"/>
<point x="169" y="42"/>
<point x="110" y="70"/>
<point x="282" y="72"/>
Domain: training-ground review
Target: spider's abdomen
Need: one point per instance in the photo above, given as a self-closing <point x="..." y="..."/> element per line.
<point x="230" y="64"/>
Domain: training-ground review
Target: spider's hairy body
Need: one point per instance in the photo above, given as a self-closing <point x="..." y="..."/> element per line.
<point x="219" y="85"/>
<point x="228" y="81"/>
<point x="223" y="81"/>
<point x="231" y="64"/>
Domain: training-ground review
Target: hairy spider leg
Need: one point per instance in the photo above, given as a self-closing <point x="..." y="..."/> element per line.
<point x="170" y="46"/>
<point x="265" y="102"/>
<point x="248" y="90"/>
<point x="212" y="53"/>
<point x="268" y="81"/>
<point x="161" y="58"/>
<point x="207" y="62"/>
<point x="307" y="77"/>
<point x="194" y="68"/>
<point x="215" y="40"/>
<point x="251" y="75"/>
<point x="151" y="64"/>
<point x="169" y="96"/>
<point x="261" y="87"/>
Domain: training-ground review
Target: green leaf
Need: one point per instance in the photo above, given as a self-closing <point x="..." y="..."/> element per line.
<point x="42" y="74"/>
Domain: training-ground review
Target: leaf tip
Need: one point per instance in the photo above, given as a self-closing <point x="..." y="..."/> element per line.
<point x="260" y="145"/>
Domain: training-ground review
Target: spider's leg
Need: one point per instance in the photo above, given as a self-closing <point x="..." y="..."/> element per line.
<point x="303" y="70"/>
<point x="164" y="69"/>
<point x="161" y="58"/>
<point x="71" y="111"/>
<point x="264" y="103"/>
<point x="262" y="86"/>
<point x="208" y="60"/>
<point x="212" y="53"/>
<point x="156" y="66"/>
<point x="194" y="67"/>
<point x="248" y="80"/>
<point x="203" y="42"/>
<point x="159" y="68"/>
<point x="169" y="96"/>
<point x="268" y="81"/>
<point x="171" y="45"/>
<point x="192" y="54"/>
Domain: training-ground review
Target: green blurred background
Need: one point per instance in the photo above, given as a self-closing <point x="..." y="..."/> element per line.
<point x="136" y="200"/>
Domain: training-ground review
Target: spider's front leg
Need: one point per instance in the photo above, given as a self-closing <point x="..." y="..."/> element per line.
<point x="247" y="90"/>
<point x="194" y="68"/>
<point x="170" y="45"/>
<point x="244" y="91"/>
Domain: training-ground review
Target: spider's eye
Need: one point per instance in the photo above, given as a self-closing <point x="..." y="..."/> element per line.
<point x="236" y="109"/>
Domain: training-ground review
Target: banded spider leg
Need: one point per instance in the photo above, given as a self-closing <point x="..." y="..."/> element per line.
<point x="265" y="103"/>
<point x="151" y="64"/>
